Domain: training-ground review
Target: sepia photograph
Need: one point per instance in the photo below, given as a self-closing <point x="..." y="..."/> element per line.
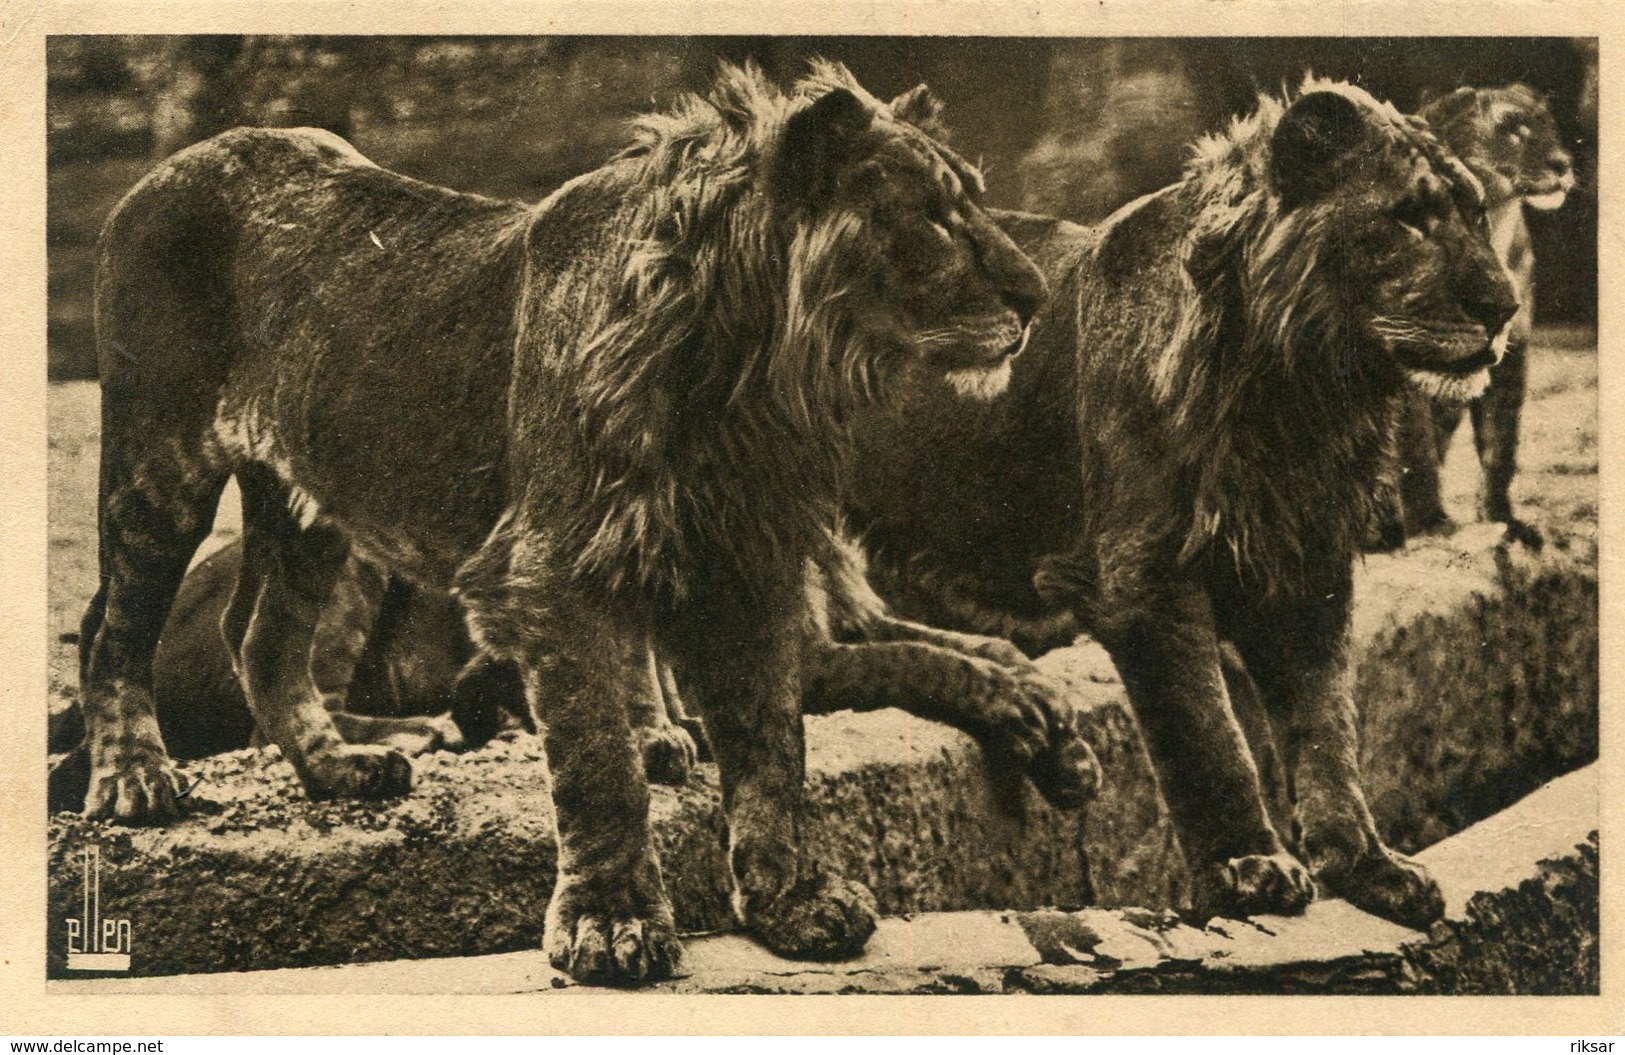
<point x="808" y="515"/>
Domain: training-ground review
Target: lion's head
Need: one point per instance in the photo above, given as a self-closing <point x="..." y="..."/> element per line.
<point x="830" y="234"/>
<point x="937" y="278"/>
<point x="1509" y="140"/>
<point x="1358" y="237"/>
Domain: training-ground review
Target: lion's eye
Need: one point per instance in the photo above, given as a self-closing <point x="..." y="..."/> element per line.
<point x="1417" y="219"/>
<point x="941" y="218"/>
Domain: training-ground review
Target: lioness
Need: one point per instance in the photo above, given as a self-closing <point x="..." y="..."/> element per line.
<point x="1187" y="455"/>
<point x="608" y="420"/>
<point x="396" y="667"/>
<point x="1507" y="137"/>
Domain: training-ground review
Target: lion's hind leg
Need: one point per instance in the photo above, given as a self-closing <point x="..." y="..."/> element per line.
<point x="157" y="503"/>
<point x="1421" y="502"/>
<point x="677" y="711"/>
<point x="286" y="579"/>
<point x="1496" y="416"/>
<point x="373" y="700"/>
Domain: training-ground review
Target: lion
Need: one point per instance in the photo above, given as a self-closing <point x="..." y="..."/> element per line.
<point x="1186" y="457"/>
<point x="610" y="422"/>
<point x="1507" y="137"/>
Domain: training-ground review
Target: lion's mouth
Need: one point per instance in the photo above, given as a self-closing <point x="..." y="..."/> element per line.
<point x="985" y="373"/>
<point x="1547" y="199"/>
<point x="1454" y="365"/>
<point x="1546" y="195"/>
<point x="985" y="350"/>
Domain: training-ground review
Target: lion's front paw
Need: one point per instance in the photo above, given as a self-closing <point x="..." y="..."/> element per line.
<point x="1394" y="887"/>
<point x="137" y="786"/>
<point x="1257" y="884"/>
<point x="824" y="917"/>
<point x="358" y="772"/>
<point x="601" y="950"/>
<point x="669" y="753"/>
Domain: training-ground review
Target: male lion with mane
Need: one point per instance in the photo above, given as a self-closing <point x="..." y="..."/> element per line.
<point x="610" y="422"/>
<point x="1188" y="453"/>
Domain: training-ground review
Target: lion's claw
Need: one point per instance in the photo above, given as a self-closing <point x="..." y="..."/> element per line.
<point x="669" y="753"/>
<point x="144" y="791"/>
<point x="359" y="771"/>
<point x="1251" y="885"/>
<point x="823" y="917"/>
<point x="601" y="951"/>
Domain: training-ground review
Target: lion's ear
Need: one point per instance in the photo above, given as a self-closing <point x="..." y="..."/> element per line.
<point x="920" y="108"/>
<point x="1313" y="135"/>
<point x="822" y="138"/>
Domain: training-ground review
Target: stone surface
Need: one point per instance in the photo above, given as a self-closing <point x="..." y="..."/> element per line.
<point x="1478" y="682"/>
<point x="256" y="876"/>
<point x="1522" y="918"/>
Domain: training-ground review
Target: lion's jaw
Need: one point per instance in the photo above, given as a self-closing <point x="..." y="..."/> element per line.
<point x="977" y="361"/>
<point x="1553" y="198"/>
<point x="1447" y="363"/>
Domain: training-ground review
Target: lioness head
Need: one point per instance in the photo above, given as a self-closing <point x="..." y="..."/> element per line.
<point x="1383" y="241"/>
<point x="925" y="273"/>
<point x="1509" y="140"/>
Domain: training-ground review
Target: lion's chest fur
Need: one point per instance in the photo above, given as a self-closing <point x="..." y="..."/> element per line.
<point x="1196" y="455"/>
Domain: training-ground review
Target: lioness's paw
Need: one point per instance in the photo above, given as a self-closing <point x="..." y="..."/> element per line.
<point x="1014" y="716"/>
<point x="1525" y="534"/>
<point x="669" y="754"/>
<point x="597" y="950"/>
<point x="359" y="772"/>
<point x="1394" y="887"/>
<point x="996" y="650"/>
<point x="1036" y="726"/>
<point x="821" y="918"/>
<point x="1257" y="884"/>
<point x="1067" y="773"/>
<point x="135" y="786"/>
<point x="421" y="736"/>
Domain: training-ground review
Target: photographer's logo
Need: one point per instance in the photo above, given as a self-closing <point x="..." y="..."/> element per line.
<point x="96" y="944"/>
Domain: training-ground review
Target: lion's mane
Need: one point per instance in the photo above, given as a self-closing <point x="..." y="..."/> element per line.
<point x="721" y="331"/>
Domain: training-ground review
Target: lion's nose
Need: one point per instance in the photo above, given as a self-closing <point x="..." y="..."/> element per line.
<point x="1560" y="164"/>
<point x="1026" y="295"/>
<point x="1494" y="307"/>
